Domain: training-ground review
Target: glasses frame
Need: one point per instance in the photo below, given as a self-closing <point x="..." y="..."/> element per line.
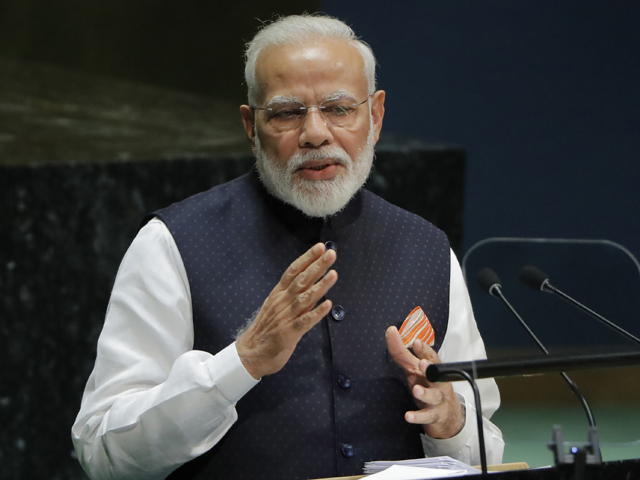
<point x="307" y="108"/>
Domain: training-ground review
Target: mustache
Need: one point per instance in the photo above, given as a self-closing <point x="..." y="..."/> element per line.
<point x="332" y="152"/>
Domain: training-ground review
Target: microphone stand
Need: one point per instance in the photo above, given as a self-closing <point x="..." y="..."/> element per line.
<point x="476" y="396"/>
<point x="574" y="388"/>
<point x="547" y="287"/>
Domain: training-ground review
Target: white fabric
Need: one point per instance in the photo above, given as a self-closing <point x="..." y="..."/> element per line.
<point x="152" y="403"/>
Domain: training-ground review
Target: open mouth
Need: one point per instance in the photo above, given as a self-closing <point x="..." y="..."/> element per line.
<point x="319" y="169"/>
<point x="318" y="165"/>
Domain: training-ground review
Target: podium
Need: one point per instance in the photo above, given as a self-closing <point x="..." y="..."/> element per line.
<point x="618" y="470"/>
<point x="582" y="463"/>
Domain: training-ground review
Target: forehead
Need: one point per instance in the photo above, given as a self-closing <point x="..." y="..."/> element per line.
<point x="310" y="71"/>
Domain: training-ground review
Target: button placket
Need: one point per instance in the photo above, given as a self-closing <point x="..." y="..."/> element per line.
<point x="338" y="314"/>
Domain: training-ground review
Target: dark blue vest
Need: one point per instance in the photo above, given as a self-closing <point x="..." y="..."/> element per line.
<point x="340" y="400"/>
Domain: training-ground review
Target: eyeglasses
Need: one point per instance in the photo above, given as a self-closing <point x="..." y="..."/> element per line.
<point x="290" y="115"/>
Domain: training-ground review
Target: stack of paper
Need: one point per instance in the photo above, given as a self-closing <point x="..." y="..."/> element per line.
<point x="434" y="467"/>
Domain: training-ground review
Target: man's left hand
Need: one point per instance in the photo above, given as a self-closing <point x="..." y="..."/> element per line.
<point x="439" y="411"/>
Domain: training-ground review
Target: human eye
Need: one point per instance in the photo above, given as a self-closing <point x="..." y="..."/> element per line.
<point x="287" y="112"/>
<point x="337" y="109"/>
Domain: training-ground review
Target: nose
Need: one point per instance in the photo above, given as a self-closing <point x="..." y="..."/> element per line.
<point x="314" y="131"/>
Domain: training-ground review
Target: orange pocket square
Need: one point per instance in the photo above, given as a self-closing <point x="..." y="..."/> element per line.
<point x="417" y="325"/>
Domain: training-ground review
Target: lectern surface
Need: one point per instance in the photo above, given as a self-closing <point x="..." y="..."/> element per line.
<point x="623" y="469"/>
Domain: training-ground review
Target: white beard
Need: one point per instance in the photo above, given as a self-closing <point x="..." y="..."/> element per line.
<point x="316" y="198"/>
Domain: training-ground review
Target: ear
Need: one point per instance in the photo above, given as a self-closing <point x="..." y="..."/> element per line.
<point x="249" y="123"/>
<point x="377" y="111"/>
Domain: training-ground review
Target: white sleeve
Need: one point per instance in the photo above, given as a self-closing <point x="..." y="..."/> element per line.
<point x="152" y="403"/>
<point x="462" y="342"/>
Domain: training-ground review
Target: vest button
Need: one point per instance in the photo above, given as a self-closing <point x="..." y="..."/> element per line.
<point x="347" y="450"/>
<point x="344" y="381"/>
<point x="331" y="246"/>
<point x="338" y="312"/>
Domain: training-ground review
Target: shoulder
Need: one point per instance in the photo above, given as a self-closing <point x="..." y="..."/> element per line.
<point x="216" y="195"/>
<point x="399" y="219"/>
<point x="212" y="203"/>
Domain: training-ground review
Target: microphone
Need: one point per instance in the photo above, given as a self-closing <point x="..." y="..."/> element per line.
<point x="538" y="280"/>
<point x="490" y="282"/>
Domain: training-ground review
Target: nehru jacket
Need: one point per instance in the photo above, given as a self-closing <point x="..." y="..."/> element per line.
<point x="168" y="392"/>
<point x="340" y="399"/>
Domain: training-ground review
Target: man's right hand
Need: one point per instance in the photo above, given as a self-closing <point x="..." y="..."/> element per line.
<point x="288" y="313"/>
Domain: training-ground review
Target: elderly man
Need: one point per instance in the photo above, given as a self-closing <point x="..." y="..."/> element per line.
<point x="220" y="358"/>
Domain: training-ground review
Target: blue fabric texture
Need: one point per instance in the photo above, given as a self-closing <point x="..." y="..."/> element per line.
<point x="340" y="400"/>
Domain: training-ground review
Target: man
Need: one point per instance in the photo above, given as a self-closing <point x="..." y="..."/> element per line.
<point x="310" y="386"/>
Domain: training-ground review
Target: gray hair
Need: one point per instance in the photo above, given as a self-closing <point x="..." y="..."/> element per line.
<point x="296" y="29"/>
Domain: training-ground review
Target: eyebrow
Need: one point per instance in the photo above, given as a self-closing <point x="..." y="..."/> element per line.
<point x="340" y="94"/>
<point x="287" y="99"/>
<point x="283" y="100"/>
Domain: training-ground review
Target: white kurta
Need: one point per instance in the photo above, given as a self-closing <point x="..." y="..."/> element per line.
<point x="153" y="403"/>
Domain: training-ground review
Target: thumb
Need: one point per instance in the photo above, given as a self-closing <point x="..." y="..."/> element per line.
<point x="401" y="355"/>
<point x="424" y="351"/>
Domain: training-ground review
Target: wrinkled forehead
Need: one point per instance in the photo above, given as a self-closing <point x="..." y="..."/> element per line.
<point x="311" y="72"/>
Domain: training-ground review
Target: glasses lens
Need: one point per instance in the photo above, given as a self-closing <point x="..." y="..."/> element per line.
<point x="286" y="116"/>
<point x="339" y="112"/>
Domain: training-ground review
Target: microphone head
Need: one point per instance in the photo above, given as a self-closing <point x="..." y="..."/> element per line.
<point x="533" y="277"/>
<point x="489" y="280"/>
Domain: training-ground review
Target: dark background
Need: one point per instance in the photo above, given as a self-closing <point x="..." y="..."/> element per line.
<point x="542" y="95"/>
<point x="194" y="46"/>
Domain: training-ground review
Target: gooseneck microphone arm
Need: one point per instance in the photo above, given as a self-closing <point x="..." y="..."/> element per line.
<point x="476" y="396"/>
<point x="538" y="280"/>
<point x="490" y="282"/>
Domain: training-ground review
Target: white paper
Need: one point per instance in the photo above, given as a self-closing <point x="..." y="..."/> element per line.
<point x="443" y="464"/>
<point x="402" y="472"/>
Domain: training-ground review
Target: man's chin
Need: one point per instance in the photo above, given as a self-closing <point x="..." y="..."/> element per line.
<point x="317" y="209"/>
<point x="320" y="198"/>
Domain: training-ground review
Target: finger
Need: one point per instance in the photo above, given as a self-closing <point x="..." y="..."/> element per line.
<point x="306" y="322"/>
<point x="312" y="273"/>
<point x="301" y="264"/>
<point x="424" y="351"/>
<point x="441" y="411"/>
<point x="428" y="395"/>
<point x="401" y="355"/>
<point x="304" y="301"/>
<point x="425" y="416"/>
